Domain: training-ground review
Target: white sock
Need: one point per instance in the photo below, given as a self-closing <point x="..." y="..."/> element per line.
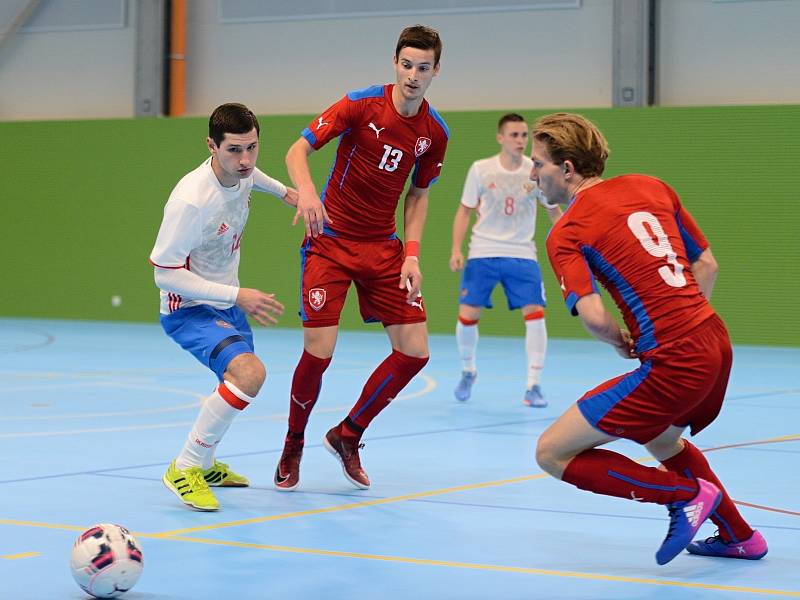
<point x="535" y="347"/>
<point x="467" y="340"/>
<point x="216" y="415"/>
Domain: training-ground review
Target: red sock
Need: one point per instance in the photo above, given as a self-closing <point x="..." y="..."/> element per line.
<point x="611" y="474"/>
<point x="306" y="384"/>
<point x="391" y="376"/>
<point x="691" y="463"/>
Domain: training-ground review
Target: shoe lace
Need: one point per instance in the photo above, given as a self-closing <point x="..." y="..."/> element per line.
<point x="715" y="538"/>
<point x="350" y="452"/>
<point x="196" y="481"/>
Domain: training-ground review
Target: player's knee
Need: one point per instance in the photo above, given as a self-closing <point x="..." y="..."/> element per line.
<point x="547" y="456"/>
<point x="247" y="373"/>
<point x="664" y="449"/>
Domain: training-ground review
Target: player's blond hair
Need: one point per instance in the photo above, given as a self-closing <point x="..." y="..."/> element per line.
<point x="574" y="138"/>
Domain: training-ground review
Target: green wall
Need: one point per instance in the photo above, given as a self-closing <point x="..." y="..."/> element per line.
<point x="82" y="201"/>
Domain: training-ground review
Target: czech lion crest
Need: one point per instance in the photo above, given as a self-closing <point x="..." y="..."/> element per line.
<point x="422" y="145"/>
<point x="316" y="298"/>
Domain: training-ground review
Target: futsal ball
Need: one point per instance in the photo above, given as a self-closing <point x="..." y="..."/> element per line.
<point x="106" y="560"/>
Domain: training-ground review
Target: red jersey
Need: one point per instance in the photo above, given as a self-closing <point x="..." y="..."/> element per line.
<point x="378" y="148"/>
<point x="633" y="235"/>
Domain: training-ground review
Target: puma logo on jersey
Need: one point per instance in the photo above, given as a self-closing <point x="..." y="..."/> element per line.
<point x="635" y="497"/>
<point x="301" y="404"/>
<point x="321" y="123"/>
<point x="563" y="287"/>
<point x="376" y="130"/>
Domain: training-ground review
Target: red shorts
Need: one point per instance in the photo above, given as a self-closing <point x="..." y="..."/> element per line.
<point x="329" y="264"/>
<point x="681" y="383"/>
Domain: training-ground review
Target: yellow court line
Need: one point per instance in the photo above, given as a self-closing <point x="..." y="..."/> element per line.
<point x="497" y="568"/>
<point x="77" y="528"/>
<point x="341" y="507"/>
<point x="462" y="488"/>
<point x="20" y="555"/>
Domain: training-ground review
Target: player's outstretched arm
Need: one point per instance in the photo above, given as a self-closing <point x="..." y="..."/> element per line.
<point x="415" y="212"/>
<point x="705" y="269"/>
<point x="554" y="213"/>
<point x="599" y="322"/>
<point x="309" y="206"/>
<point x="264" y="308"/>
<point x="460" y="226"/>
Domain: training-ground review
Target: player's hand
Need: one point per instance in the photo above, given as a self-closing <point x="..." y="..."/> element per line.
<point x="456" y="260"/>
<point x="411" y="279"/>
<point x="313" y="213"/>
<point x="291" y="196"/>
<point x="628" y="347"/>
<point x="264" y="308"/>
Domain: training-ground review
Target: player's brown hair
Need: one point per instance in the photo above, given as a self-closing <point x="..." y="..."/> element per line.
<point x="231" y="118"/>
<point x="422" y="38"/>
<point x="509" y="118"/>
<point x="574" y="138"/>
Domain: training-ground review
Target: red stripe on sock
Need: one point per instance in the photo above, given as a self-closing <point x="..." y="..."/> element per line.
<point x="231" y="398"/>
<point x="467" y="321"/>
<point x="537" y="314"/>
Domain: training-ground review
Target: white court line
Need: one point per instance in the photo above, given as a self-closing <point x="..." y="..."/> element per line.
<point x="121" y="413"/>
<point x="430" y="385"/>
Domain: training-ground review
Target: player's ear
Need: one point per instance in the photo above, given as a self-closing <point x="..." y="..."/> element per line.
<point x="569" y="168"/>
<point x="212" y="146"/>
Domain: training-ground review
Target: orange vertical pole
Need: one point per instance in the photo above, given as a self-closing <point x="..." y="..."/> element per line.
<point x="177" y="59"/>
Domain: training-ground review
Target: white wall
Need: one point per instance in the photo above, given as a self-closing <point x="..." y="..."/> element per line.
<point x="729" y="52"/>
<point x="490" y="60"/>
<point x="69" y="74"/>
<point x="710" y="53"/>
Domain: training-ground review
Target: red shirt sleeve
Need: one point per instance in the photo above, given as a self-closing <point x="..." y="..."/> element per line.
<point x="429" y="164"/>
<point x="570" y="265"/>
<point x="693" y="239"/>
<point x="333" y="121"/>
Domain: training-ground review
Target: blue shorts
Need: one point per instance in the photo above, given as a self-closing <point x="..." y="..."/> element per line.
<point x="213" y="336"/>
<point x="520" y="277"/>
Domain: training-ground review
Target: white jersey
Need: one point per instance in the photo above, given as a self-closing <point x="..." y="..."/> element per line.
<point x="505" y="202"/>
<point x="202" y="230"/>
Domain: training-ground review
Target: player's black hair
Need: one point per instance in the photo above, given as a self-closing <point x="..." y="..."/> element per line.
<point x="509" y="118"/>
<point x="231" y="118"/>
<point x="422" y="38"/>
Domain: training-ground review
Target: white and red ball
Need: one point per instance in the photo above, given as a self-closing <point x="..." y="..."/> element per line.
<point x="106" y="560"/>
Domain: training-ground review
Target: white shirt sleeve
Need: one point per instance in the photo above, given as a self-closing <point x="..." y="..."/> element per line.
<point x="264" y="183"/>
<point x="191" y="285"/>
<point x="181" y="231"/>
<point x="537" y="192"/>
<point x="471" y="194"/>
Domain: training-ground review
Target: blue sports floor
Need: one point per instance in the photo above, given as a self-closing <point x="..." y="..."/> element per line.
<point x="91" y="414"/>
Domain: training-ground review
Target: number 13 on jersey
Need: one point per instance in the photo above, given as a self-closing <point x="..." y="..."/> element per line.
<point x="391" y="158"/>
